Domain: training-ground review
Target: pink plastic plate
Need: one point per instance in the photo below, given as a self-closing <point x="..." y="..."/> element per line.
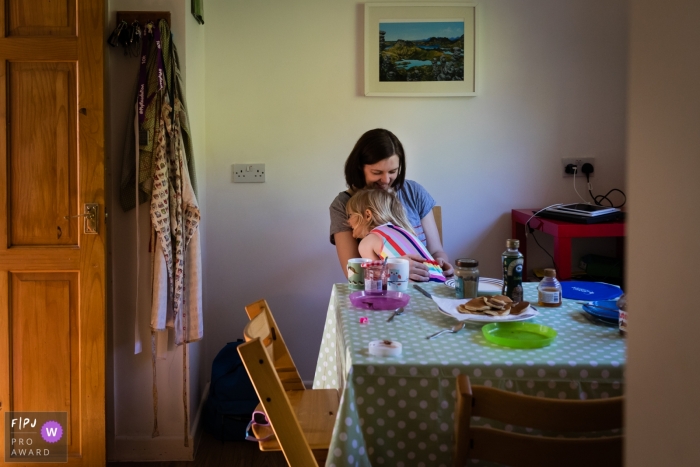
<point x="390" y="300"/>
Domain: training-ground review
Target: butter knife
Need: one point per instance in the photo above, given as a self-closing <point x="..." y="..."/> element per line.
<point x="422" y="290"/>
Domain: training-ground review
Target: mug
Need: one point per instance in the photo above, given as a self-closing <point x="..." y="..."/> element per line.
<point x="356" y="274"/>
<point x="397" y="271"/>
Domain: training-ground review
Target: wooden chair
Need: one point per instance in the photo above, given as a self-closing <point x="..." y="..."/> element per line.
<point x="437" y="214"/>
<point x="535" y="412"/>
<point x="286" y="369"/>
<point x="301" y="420"/>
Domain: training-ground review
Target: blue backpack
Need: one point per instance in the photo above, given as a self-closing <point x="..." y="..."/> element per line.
<point x="232" y="398"/>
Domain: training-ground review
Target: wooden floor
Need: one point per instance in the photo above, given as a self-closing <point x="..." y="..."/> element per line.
<point x="214" y="453"/>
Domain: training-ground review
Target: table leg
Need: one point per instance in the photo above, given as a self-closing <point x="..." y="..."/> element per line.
<point x="562" y="257"/>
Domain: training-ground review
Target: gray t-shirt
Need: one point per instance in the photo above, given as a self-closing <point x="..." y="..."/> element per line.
<point x="416" y="201"/>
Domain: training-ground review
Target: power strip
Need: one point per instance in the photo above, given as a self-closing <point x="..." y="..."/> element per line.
<point x="248" y="173"/>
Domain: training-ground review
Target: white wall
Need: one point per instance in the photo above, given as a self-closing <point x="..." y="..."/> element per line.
<point x="284" y="87"/>
<point x="663" y="375"/>
<point x="193" y="74"/>
<point x="129" y="390"/>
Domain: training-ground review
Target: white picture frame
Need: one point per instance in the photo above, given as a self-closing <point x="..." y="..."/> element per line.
<point x="415" y="65"/>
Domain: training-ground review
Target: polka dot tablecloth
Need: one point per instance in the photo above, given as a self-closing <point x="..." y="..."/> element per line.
<point x="399" y="411"/>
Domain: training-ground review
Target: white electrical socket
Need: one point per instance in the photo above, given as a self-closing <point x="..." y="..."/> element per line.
<point x="578" y="162"/>
<point x="248" y="173"/>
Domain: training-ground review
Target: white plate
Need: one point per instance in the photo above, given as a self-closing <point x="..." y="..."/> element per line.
<point x="448" y="306"/>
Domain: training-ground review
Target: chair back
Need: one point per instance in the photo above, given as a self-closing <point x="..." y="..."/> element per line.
<point x="259" y="328"/>
<point x="262" y="324"/>
<point x="535" y="412"/>
<point x="437" y="214"/>
<point x="274" y="400"/>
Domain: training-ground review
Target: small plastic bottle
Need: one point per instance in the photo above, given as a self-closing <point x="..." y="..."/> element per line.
<point x="549" y="290"/>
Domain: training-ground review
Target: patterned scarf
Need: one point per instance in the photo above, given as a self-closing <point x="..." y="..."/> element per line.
<point x="149" y="126"/>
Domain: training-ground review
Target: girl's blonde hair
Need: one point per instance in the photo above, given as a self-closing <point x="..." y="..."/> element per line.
<point x="384" y="206"/>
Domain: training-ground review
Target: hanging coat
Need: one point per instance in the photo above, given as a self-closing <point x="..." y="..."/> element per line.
<point x="177" y="276"/>
<point x="175" y="216"/>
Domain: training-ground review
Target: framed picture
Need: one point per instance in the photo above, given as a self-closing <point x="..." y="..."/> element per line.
<point x="420" y="49"/>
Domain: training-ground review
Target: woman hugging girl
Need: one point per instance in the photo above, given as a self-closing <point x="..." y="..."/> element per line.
<point x="377" y="217"/>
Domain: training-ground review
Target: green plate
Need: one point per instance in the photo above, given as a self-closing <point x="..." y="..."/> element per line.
<point x="519" y="335"/>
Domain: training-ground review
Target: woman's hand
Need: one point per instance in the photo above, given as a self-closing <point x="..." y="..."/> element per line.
<point x="418" y="271"/>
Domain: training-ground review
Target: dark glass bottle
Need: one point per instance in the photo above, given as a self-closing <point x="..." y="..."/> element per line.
<point x="512" y="261"/>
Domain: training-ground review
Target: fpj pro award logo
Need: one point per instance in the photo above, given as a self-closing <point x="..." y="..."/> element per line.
<point x="36" y="437"/>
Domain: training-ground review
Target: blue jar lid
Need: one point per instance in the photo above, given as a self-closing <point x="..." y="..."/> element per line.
<point x="580" y="290"/>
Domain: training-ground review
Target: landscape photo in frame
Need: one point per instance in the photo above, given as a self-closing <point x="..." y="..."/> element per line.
<point x="421" y="51"/>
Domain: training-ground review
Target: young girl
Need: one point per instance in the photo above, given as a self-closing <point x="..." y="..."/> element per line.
<point x="378" y="218"/>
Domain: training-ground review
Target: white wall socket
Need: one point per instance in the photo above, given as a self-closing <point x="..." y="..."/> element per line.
<point x="578" y="161"/>
<point x="248" y="173"/>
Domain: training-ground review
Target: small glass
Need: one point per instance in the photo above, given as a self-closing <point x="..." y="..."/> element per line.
<point x="375" y="277"/>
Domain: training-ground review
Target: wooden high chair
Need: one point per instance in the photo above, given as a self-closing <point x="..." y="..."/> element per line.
<point x="282" y="359"/>
<point x="302" y="420"/>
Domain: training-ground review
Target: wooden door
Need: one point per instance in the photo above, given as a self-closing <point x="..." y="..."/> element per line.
<point x="52" y="274"/>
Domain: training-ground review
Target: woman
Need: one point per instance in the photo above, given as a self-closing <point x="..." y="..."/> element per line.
<point x="377" y="161"/>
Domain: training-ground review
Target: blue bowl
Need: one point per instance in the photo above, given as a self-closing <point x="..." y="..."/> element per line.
<point x="603" y="313"/>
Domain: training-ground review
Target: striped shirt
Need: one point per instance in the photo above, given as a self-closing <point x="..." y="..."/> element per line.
<point x="398" y="241"/>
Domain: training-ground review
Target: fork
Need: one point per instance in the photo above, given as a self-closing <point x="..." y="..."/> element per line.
<point x="456" y="328"/>
<point x="396" y="312"/>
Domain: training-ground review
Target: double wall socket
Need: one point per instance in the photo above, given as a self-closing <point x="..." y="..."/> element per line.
<point x="578" y="162"/>
<point x="248" y="173"/>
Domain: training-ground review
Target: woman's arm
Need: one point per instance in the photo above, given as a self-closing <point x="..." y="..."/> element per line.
<point x="432" y="238"/>
<point x="346" y="247"/>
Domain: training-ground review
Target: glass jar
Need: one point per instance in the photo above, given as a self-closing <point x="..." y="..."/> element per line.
<point x="375" y="277"/>
<point x="549" y="290"/>
<point x="622" y="306"/>
<point x="466" y="278"/>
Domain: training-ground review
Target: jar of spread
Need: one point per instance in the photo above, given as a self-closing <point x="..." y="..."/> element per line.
<point x="622" y="321"/>
<point x="466" y="278"/>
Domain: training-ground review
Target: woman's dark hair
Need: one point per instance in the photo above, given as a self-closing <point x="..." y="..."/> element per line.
<point x="372" y="147"/>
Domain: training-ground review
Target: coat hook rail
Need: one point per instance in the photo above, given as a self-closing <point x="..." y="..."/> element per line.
<point x="143" y="16"/>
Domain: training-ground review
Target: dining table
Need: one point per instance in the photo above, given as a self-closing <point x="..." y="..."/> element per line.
<point x="399" y="411"/>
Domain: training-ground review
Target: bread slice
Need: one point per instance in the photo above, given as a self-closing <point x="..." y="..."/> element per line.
<point x="519" y="308"/>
